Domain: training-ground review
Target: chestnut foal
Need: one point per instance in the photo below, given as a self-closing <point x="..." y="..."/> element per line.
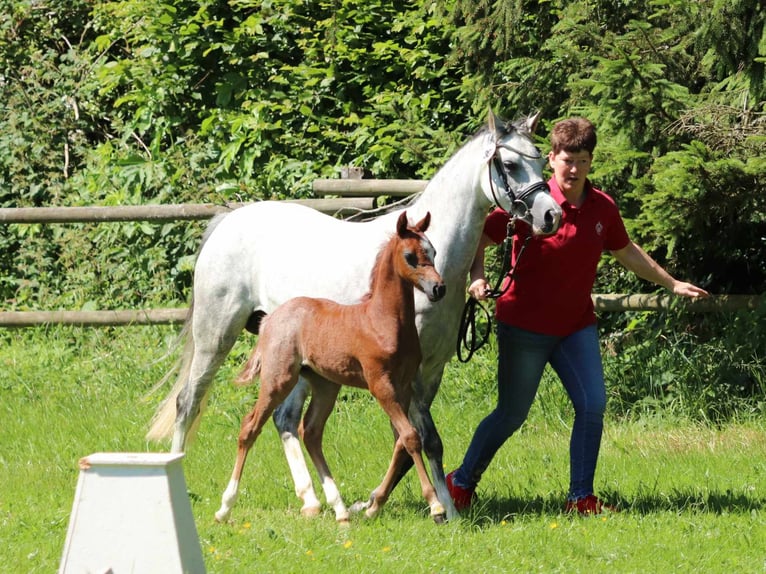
<point x="373" y="344"/>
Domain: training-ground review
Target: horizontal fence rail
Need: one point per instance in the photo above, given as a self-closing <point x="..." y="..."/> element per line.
<point x="603" y="303"/>
<point x="164" y="213"/>
<point x="356" y="195"/>
<point x="16" y="319"/>
<point x="361" y="187"/>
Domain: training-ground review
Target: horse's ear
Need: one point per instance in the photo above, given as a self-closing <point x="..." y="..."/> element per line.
<point x="532" y="121"/>
<point x="423" y="224"/>
<point x="401" y="224"/>
<point x="491" y="136"/>
<point x="495" y="125"/>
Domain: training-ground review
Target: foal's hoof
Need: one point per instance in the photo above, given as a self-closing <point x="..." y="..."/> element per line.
<point x="222" y="516"/>
<point x="358" y="507"/>
<point x="310" y="511"/>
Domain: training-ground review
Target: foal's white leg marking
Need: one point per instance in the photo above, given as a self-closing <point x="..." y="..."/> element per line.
<point x="332" y="494"/>
<point x="304" y="489"/>
<point x="228" y="500"/>
<point x="360" y="506"/>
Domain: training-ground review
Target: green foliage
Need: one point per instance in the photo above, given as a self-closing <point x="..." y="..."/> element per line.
<point x="133" y="102"/>
<point x="718" y="243"/>
<point x="653" y="366"/>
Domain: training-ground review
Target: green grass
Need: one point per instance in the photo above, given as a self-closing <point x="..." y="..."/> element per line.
<point x="693" y="495"/>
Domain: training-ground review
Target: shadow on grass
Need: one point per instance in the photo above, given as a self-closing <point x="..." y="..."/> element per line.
<point x="495" y="508"/>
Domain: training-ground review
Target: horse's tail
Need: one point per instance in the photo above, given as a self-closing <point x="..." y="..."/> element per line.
<point x="163" y="422"/>
<point x="251" y="369"/>
<point x="164" y="418"/>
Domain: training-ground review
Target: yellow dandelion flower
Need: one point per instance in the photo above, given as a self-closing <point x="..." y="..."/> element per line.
<point x="309" y="552"/>
<point x="347" y="544"/>
<point x="503" y="523"/>
<point x="386" y="549"/>
<point x="554" y="525"/>
<point x="246" y="525"/>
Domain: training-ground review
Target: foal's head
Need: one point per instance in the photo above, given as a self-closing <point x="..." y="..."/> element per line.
<point x="415" y="257"/>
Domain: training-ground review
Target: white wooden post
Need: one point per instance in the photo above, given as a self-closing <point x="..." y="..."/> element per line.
<point x="131" y="513"/>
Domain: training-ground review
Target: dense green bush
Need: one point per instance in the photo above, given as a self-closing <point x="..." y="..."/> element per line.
<point x="711" y="370"/>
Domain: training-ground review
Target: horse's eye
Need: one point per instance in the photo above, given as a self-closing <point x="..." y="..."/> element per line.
<point x="411" y="258"/>
<point x="509" y="165"/>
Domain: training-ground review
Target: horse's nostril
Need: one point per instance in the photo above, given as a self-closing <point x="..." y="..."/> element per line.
<point x="550" y="221"/>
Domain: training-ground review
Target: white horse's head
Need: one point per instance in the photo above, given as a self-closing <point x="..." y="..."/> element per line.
<point x="516" y="181"/>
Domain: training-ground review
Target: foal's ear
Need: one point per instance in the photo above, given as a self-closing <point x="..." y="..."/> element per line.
<point x="423" y="224"/>
<point x="401" y="224"/>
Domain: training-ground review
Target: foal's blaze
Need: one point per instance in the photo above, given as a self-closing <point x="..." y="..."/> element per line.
<point x="373" y="344"/>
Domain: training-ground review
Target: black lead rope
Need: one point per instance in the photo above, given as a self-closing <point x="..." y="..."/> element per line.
<point x="467" y="335"/>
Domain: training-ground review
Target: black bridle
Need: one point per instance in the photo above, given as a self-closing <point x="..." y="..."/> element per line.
<point x="519" y="199"/>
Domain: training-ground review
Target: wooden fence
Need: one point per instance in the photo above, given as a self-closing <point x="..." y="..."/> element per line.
<point x="356" y="195"/>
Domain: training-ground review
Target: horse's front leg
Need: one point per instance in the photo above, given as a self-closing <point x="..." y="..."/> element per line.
<point x="423" y="392"/>
<point x="287" y="417"/>
<point x="408" y="443"/>
<point x="407" y="448"/>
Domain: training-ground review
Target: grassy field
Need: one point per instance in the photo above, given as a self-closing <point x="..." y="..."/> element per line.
<point x="692" y="496"/>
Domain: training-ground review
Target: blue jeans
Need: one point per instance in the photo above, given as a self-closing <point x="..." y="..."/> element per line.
<point x="522" y="357"/>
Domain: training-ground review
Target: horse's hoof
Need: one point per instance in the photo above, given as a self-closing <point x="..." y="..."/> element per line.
<point x="310" y="511"/>
<point x="440" y="518"/>
<point x="343" y="522"/>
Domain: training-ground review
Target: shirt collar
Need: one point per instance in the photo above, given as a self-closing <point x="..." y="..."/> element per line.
<point x="558" y="195"/>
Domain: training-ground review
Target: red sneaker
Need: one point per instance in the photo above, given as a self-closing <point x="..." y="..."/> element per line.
<point x="462" y="497"/>
<point x="588" y="505"/>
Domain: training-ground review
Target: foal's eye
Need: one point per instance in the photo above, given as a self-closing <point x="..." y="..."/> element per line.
<point x="411" y="258"/>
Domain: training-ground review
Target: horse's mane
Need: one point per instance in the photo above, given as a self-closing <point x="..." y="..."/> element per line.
<point x="519" y="125"/>
<point x="374" y="272"/>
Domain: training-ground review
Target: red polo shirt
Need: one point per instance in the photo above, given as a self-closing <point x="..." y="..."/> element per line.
<point x="551" y="292"/>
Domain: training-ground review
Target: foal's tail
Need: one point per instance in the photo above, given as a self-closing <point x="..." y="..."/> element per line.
<point x="251" y="369"/>
<point x="164" y="418"/>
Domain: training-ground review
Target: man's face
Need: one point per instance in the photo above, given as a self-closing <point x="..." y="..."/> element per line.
<point x="570" y="169"/>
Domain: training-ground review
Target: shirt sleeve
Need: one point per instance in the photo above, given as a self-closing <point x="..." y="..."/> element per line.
<point x="496" y="225"/>
<point x="617" y="236"/>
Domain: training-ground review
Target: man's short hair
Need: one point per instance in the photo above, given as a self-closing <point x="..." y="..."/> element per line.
<point x="573" y="135"/>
